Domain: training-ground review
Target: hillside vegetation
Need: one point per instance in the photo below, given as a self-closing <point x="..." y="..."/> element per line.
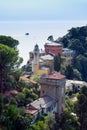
<point x="76" y="39"/>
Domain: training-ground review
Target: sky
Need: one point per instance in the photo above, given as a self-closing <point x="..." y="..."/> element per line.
<point x="11" y="10"/>
<point x="41" y="18"/>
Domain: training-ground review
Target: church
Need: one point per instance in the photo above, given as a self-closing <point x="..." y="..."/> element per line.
<point x="42" y="64"/>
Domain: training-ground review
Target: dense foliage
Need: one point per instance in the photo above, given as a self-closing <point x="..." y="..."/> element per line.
<point x="76" y="39"/>
<point x="81" y="108"/>
<point x="9" y="61"/>
<point x="57" y="63"/>
<point x="14" y="93"/>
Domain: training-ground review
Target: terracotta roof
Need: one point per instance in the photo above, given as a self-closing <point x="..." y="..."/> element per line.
<point x="15" y="92"/>
<point x="11" y="93"/>
<point x="31" y="111"/>
<point x="27" y="79"/>
<point x="54" y="75"/>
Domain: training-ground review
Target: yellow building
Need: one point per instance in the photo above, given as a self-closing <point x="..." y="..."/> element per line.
<point x="42" y="64"/>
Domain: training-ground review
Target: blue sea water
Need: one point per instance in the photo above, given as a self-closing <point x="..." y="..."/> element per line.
<point x="38" y="32"/>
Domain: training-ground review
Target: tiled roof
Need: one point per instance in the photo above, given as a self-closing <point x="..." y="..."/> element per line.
<point x="54" y="75"/>
<point x="11" y="93"/>
<point x="31" y="111"/>
<point x="24" y="78"/>
<point x="43" y="102"/>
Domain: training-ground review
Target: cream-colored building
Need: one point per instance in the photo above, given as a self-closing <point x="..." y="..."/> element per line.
<point x="42" y="64"/>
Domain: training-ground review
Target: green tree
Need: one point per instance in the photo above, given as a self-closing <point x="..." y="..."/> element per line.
<point x="22" y="122"/>
<point x="77" y="74"/>
<point x="20" y="98"/>
<point x="57" y="63"/>
<point x="9" y="61"/>
<point x="35" y="77"/>
<point x="50" y="38"/>
<point x="17" y="74"/>
<point x="40" y="125"/>
<point x="8" y="57"/>
<point x="69" y="105"/>
<point x="12" y="112"/>
<point x="9" y="41"/>
<point x="50" y="121"/>
<point x="64" y="41"/>
<point x="81" y="108"/>
<point x="75" y="44"/>
<point x="76" y="39"/>
<point x="15" y="118"/>
<point x="1" y="105"/>
<point x="69" y="72"/>
<point x="80" y="64"/>
<point x="29" y="93"/>
<point x="68" y="121"/>
<point x="10" y="115"/>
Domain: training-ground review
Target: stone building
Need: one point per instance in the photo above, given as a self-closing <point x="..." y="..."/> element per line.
<point x="52" y="96"/>
<point x="53" y="85"/>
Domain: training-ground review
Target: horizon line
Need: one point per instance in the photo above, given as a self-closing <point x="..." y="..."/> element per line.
<point x="42" y="20"/>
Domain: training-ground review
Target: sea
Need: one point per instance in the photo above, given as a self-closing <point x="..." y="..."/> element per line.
<point x="38" y="31"/>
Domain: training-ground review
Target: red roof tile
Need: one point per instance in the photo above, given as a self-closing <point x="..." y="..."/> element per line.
<point x="31" y="111"/>
<point x="55" y="75"/>
<point x="11" y="93"/>
<point x="27" y="80"/>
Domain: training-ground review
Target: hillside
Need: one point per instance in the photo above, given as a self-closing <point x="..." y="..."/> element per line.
<point x="76" y="39"/>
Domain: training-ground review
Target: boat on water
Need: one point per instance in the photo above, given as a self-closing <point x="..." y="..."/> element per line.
<point x="26" y="33"/>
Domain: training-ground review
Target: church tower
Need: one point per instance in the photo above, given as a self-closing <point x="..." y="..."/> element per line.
<point x="35" y="63"/>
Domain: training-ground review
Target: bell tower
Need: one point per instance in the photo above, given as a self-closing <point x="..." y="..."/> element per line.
<point x="36" y="54"/>
<point x="35" y="63"/>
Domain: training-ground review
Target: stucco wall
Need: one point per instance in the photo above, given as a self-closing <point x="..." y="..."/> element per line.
<point x="53" y="49"/>
<point x="57" y="92"/>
